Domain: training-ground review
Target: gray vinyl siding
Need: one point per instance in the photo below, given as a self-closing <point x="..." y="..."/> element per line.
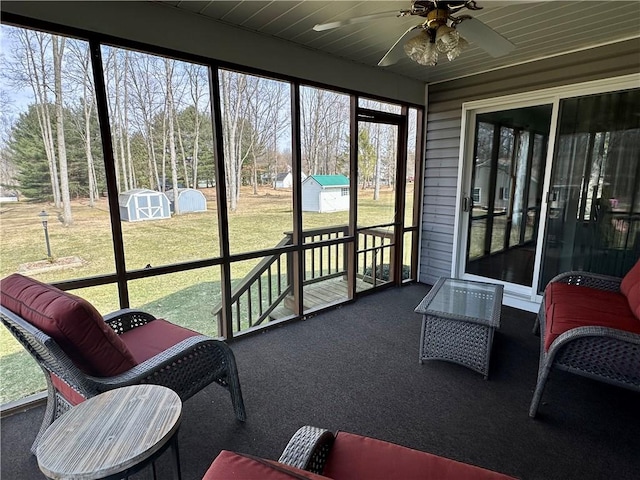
<point x="443" y="131"/>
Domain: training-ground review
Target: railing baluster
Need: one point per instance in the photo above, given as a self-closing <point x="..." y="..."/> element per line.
<point x="249" y="310"/>
<point x="260" y="294"/>
<point x="270" y="284"/>
<point x="375" y="266"/>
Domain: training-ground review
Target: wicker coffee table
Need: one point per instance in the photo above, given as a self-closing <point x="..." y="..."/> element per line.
<point x="459" y="318"/>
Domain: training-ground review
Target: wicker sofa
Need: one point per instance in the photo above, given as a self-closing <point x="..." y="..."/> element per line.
<point x="589" y="325"/>
<point x="317" y="454"/>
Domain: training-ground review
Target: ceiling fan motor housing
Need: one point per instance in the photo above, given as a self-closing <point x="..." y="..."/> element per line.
<point x="437" y="17"/>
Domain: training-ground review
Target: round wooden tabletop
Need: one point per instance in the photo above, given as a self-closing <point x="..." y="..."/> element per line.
<point x="110" y="433"/>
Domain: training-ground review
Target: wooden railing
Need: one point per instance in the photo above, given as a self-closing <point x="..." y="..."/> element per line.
<point x="260" y="291"/>
<point x="265" y="287"/>
<point x="375" y="255"/>
<point x="322" y="262"/>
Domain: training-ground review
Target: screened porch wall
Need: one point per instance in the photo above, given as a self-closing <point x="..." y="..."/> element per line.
<point x="443" y="131"/>
<point x="176" y="29"/>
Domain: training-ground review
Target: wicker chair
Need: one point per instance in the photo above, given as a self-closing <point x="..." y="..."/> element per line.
<point x="186" y="367"/>
<point x="610" y="355"/>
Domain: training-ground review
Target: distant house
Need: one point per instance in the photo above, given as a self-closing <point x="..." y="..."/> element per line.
<point x="143" y="204"/>
<point x="325" y="193"/>
<point x="189" y="200"/>
<point x="285" y="180"/>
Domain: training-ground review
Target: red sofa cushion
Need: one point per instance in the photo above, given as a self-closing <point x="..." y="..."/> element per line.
<point x="153" y="338"/>
<point x="353" y="456"/>
<point x="72" y="322"/>
<point x="572" y="306"/>
<point x="630" y="288"/>
<point x="234" y="466"/>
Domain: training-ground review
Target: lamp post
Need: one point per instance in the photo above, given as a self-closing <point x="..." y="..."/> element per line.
<point x="44" y="216"/>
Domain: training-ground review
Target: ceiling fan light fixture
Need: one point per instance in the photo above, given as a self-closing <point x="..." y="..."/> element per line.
<point x="447" y="39"/>
<point x="454" y="52"/>
<point x="420" y="49"/>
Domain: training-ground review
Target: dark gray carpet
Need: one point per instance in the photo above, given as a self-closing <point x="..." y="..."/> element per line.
<point x="356" y="369"/>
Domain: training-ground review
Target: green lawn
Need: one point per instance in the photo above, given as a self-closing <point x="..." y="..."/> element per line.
<point x="186" y="298"/>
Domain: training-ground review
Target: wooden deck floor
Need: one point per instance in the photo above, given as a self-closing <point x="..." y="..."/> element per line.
<point x="320" y="294"/>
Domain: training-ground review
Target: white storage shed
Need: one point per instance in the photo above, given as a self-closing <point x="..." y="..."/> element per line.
<point x="189" y="200"/>
<point x="285" y="180"/>
<point x="325" y="193"/>
<point x="143" y="204"/>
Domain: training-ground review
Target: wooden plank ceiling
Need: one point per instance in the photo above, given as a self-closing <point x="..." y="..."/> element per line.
<point x="539" y="29"/>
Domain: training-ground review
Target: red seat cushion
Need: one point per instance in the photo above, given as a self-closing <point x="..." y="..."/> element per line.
<point x="233" y="466"/>
<point x="630" y="288"/>
<point x="572" y="306"/>
<point x="354" y="457"/>
<point x="74" y="324"/>
<point x="153" y="338"/>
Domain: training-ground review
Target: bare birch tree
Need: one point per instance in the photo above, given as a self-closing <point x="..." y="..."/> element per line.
<point x="145" y="107"/>
<point x="199" y="90"/>
<point x="80" y="71"/>
<point x="30" y="66"/>
<point x="169" y="68"/>
<point x="265" y="107"/>
<point x="234" y="92"/>
<point x="324" y="119"/>
<point x="58" y="44"/>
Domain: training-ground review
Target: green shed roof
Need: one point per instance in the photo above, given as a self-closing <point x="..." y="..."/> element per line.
<point x="331" y="180"/>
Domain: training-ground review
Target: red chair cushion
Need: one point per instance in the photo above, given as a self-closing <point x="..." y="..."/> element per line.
<point x="572" y="306"/>
<point x="153" y="338"/>
<point x="73" y="397"/>
<point x="72" y="322"/>
<point x="630" y="287"/>
<point x="353" y="456"/>
<point x="233" y="466"/>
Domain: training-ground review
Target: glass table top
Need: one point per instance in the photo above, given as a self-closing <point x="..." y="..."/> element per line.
<point x="464" y="300"/>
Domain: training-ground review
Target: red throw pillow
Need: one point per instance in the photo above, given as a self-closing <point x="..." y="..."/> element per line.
<point x="75" y="325"/>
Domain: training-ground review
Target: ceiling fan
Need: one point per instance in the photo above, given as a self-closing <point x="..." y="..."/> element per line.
<point x="442" y="32"/>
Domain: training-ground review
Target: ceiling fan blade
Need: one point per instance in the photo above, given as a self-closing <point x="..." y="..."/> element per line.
<point x="320" y="27"/>
<point x="396" y="52"/>
<point x="485" y="37"/>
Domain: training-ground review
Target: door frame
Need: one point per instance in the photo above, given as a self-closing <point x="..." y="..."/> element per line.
<point x="399" y="121"/>
<point x="518" y="296"/>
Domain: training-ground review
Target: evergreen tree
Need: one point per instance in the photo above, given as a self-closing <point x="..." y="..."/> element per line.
<point x="30" y="158"/>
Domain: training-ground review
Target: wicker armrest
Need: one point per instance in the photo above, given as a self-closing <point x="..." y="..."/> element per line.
<point x="151" y="370"/>
<point x="587" y="279"/>
<point x="308" y="449"/>
<point x="127" y="319"/>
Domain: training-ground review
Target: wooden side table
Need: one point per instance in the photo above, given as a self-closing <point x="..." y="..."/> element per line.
<point x="112" y="435"/>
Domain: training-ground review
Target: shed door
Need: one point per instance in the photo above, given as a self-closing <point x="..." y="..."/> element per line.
<point x="148" y="206"/>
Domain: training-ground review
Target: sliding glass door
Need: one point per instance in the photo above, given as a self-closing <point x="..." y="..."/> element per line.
<point x="594" y="195"/>
<point x="506" y="193"/>
<point x="550" y="187"/>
